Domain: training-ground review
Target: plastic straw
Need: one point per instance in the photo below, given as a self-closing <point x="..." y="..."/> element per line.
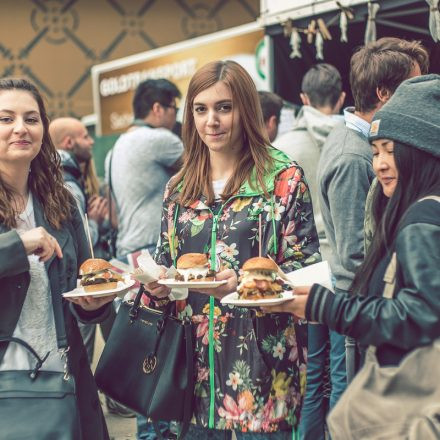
<point x="88" y="235"/>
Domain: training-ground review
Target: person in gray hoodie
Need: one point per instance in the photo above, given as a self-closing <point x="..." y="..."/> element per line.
<point x="323" y="98"/>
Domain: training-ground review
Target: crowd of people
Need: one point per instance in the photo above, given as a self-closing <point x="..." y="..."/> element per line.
<point x="360" y="190"/>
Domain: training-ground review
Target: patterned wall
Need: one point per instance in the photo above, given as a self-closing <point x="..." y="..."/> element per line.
<point x="54" y="43"/>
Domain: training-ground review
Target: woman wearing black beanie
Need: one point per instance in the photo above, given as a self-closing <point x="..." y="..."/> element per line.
<point x="395" y="309"/>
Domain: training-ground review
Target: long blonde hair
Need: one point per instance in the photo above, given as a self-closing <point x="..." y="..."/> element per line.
<point x="196" y="170"/>
<point x="91" y="182"/>
<point x="45" y="177"/>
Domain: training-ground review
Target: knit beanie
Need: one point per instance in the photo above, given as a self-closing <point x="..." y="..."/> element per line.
<point x="412" y="115"/>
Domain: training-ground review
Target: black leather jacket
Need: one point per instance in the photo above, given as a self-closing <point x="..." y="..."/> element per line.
<point x="409" y="320"/>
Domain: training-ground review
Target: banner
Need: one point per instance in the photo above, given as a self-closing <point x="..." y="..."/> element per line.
<point x="114" y="82"/>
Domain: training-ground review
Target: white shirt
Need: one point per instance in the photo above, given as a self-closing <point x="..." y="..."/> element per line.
<point x="36" y="324"/>
<point x="355" y="122"/>
<point x="218" y="186"/>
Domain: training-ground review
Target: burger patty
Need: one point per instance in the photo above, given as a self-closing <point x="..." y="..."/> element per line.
<point x="90" y="281"/>
<point x="258" y="289"/>
<point x="180" y="277"/>
<point x="101" y="277"/>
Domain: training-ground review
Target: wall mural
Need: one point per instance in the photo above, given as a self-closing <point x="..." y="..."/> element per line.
<point x="60" y="40"/>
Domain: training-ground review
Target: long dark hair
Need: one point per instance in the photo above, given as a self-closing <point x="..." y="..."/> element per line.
<point x="196" y="169"/>
<point x="45" y="177"/>
<point x="419" y="176"/>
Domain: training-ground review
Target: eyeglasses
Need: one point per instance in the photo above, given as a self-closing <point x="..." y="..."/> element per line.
<point x="174" y="106"/>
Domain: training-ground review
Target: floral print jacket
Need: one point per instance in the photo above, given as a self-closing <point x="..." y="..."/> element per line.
<point x="251" y="372"/>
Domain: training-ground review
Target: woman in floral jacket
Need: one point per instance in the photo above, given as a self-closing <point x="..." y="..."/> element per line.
<point x="250" y="367"/>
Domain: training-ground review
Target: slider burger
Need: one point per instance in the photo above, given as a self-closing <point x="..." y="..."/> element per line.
<point x="259" y="280"/>
<point x="96" y="274"/>
<point x="194" y="267"/>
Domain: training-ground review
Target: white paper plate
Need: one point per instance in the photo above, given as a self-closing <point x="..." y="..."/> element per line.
<point x="120" y="290"/>
<point x="142" y="278"/>
<point x="233" y="300"/>
<point x="172" y="283"/>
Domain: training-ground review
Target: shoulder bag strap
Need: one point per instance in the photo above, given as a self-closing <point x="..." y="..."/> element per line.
<point x="436" y="198"/>
<point x="390" y="273"/>
<point x="110" y="202"/>
<point x="57" y="305"/>
<point x="110" y="187"/>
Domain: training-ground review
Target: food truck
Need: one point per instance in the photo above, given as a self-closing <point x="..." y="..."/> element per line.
<point x="304" y="32"/>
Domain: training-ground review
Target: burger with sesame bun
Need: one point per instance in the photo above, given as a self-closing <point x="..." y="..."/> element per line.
<point x="96" y="274"/>
<point x="194" y="267"/>
<point x="259" y="279"/>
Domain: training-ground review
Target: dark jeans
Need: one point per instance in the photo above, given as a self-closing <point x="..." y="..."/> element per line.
<point x="199" y="433"/>
<point x="314" y="411"/>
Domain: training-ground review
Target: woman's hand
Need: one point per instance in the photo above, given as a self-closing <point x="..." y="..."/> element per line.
<point x="90" y="303"/>
<point x="97" y="209"/>
<point x="38" y="241"/>
<point x="230" y="286"/>
<point x="296" y="306"/>
<point x="156" y="289"/>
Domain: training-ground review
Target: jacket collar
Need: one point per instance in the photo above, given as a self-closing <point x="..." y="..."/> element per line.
<point x="70" y="163"/>
<point x="60" y="235"/>
<point x="250" y="189"/>
<point x="280" y="162"/>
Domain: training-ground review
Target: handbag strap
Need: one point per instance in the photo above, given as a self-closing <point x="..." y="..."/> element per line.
<point x="110" y="198"/>
<point x="166" y="313"/>
<point x="19" y="341"/>
<point x="57" y="305"/>
<point x="137" y="303"/>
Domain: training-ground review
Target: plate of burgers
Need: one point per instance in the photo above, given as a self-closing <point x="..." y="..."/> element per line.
<point x="259" y="285"/>
<point x="97" y="278"/>
<point x="193" y="271"/>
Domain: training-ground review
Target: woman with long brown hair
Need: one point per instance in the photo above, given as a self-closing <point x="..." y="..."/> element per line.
<point x="250" y="368"/>
<point x="42" y="245"/>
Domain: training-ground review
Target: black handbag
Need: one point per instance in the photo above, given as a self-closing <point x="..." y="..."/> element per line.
<point x="148" y="363"/>
<point x="40" y="405"/>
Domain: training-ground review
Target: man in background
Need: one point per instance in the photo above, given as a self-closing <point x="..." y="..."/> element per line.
<point x="140" y="164"/>
<point x="322" y="98"/>
<point x="271" y="105"/>
<point x="74" y="145"/>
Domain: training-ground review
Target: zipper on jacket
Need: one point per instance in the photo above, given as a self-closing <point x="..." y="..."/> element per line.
<point x="211" y="326"/>
<point x="215" y="219"/>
